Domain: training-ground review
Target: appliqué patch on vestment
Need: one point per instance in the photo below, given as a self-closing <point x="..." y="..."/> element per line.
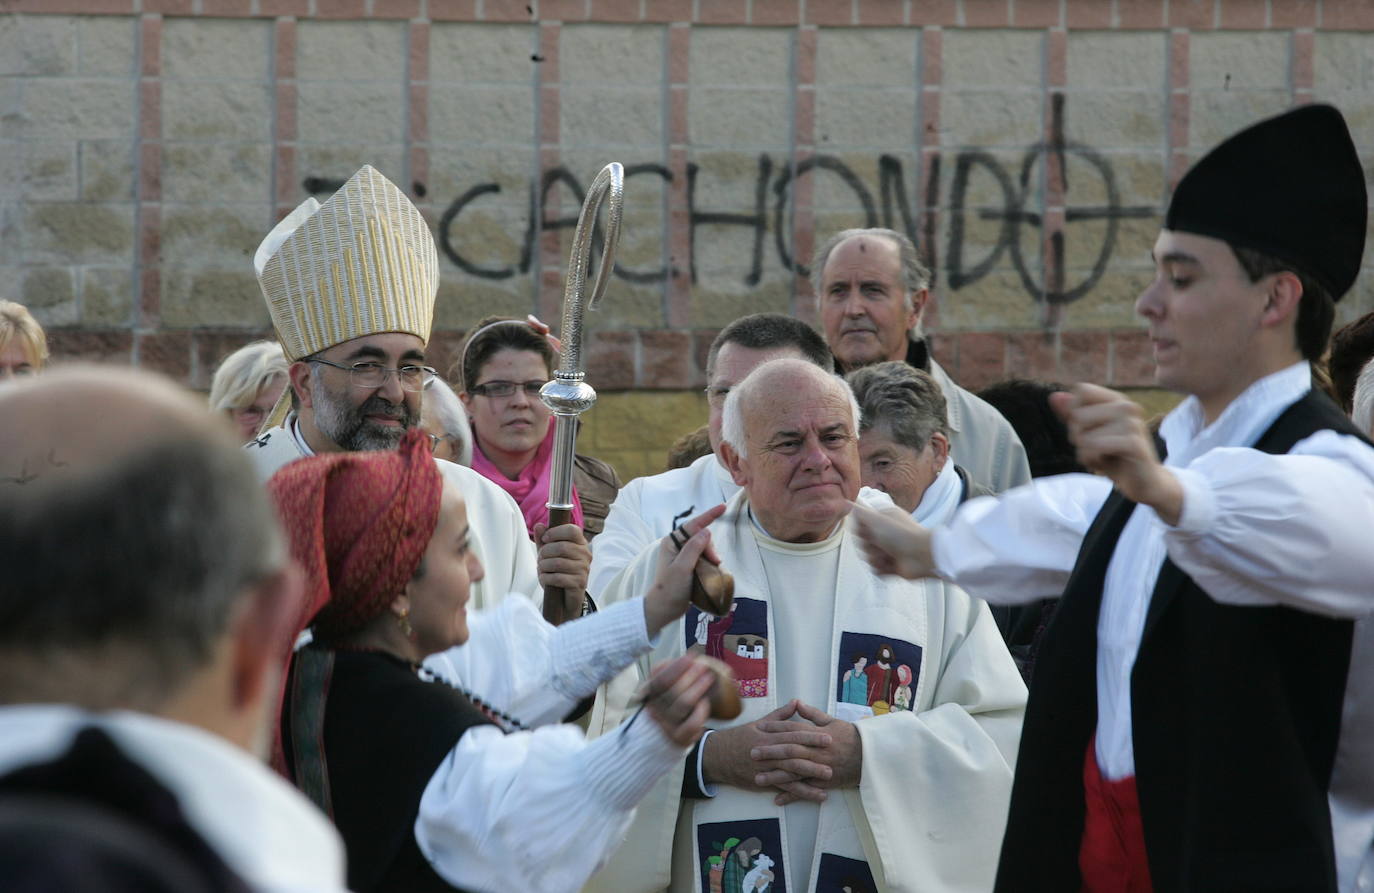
<point x="875" y="675"/>
<point x="741" y="857"/>
<point x="740" y="638"/>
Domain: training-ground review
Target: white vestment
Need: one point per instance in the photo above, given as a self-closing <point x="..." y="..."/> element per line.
<point x="936" y="779"/>
<point x="266" y="831"/>
<point x="647" y="508"/>
<point x="1256" y="529"/>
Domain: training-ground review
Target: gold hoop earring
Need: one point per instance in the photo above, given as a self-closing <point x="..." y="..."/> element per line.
<point x="403" y="621"/>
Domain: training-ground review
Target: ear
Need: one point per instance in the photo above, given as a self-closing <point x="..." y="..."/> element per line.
<point x="919" y="299"/>
<point x="299" y="376"/>
<point x="401" y="606"/>
<point x="466" y="398"/>
<point x="270" y="616"/>
<point x="1281" y="304"/>
<point x="739" y="472"/>
<point x="939" y="443"/>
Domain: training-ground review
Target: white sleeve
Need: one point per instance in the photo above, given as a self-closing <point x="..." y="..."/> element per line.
<point x="622" y="538"/>
<point x="1294" y="529"/>
<point x="1021" y="546"/>
<point x="536" y="811"/>
<point x="519" y="664"/>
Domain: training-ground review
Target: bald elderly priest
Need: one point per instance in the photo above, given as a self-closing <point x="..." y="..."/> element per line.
<point x="881" y="719"/>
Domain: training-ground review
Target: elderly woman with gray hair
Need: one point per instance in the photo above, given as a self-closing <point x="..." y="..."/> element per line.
<point x="247" y="384"/>
<point x="904" y="442"/>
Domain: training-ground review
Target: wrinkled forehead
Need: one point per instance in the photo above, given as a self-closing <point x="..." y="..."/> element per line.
<point x="802" y="408"/>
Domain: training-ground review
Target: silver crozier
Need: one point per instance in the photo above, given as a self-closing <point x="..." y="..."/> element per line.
<point x="568" y="394"/>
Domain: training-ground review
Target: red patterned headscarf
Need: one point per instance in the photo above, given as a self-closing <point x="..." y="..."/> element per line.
<point x="359" y="524"/>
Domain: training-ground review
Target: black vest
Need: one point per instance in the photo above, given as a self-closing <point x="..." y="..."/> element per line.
<point x="385" y="731"/>
<point x="1235" y="715"/>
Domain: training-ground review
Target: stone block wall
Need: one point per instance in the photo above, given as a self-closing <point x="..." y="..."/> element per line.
<point x="1028" y="146"/>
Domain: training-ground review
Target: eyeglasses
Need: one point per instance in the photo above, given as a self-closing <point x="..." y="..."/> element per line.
<point x="506" y="388"/>
<point x="374" y="375"/>
<point x="434" y="441"/>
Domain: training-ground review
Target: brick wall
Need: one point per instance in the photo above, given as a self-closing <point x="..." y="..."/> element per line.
<point x="1028" y="146"/>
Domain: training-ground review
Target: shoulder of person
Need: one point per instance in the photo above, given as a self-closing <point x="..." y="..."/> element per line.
<point x="594" y="468"/>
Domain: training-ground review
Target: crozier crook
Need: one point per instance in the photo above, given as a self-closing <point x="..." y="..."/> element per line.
<point x="568" y="394"/>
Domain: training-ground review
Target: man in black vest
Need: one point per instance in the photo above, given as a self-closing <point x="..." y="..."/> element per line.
<point x="1203" y="710"/>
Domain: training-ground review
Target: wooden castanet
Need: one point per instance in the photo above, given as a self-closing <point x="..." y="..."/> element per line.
<point x="713" y="590"/>
<point x="724" y="694"/>
<point x="555" y="601"/>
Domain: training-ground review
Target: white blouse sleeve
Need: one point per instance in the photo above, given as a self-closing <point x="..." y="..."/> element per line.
<point x="536" y="811"/>
<point x="1293" y="529"/>
<point x="520" y="665"/>
<point x="1021" y="546"/>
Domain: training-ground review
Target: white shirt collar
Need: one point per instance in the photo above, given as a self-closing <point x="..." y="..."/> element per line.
<point x="940" y="499"/>
<point x="1241" y="423"/>
<point x="263" y="828"/>
<point x="293" y="426"/>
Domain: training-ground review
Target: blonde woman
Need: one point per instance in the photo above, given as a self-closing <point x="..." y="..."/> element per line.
<point x="248" y="384"/>
<point x="23" y="346"/>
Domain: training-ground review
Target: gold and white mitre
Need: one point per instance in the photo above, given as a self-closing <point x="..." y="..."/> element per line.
<point x="360" y="264"/>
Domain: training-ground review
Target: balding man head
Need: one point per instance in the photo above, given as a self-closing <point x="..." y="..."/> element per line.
<point x="790" y="439"/>
<point x="143" y="567"/>
<point x="871" y="289"/>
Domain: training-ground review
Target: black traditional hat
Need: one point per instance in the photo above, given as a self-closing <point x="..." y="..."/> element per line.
<point x="1290" y="187"/>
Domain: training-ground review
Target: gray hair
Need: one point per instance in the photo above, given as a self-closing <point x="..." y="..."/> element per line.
<point x="915" y="274"/>
<point x="244" y="372"/>
<point x="904" y="399"/>
<point x="444" y="407"/>
<point x="1362" y="412"/>
<point x="732" y="415"/>
<point x="122" y="575"/>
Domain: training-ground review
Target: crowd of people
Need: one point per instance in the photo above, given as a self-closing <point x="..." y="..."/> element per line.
<point x="295" y="638"/>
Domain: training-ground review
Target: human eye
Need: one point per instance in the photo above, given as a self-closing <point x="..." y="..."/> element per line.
<point x="533" y="387"/>
<point x="498" y="388"/>
<point x="366" y="368"/>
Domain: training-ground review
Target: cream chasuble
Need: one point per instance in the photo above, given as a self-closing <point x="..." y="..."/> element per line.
<point x="918" y="665"/>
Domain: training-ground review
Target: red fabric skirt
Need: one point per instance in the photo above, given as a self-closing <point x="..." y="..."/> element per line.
<point x="1112" y="856"/>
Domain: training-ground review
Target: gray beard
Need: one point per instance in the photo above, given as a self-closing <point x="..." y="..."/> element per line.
<point x="348" y="426"/>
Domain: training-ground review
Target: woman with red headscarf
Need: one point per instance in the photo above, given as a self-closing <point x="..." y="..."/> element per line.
<point x="427" y="787"/>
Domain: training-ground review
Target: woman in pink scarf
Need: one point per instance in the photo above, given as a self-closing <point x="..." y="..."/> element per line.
<point x="503" y="365"/>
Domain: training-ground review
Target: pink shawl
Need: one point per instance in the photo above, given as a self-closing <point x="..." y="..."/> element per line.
<point x="531" y="488"/>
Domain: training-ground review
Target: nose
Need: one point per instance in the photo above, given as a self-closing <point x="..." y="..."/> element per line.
<point x="475" y="570"/>
<point x="1150" y="304"/>
<point x="853" y="305"/>
<point x="520" y="397"/>
<point x="391" y="388"/>
<point x="814" y="456"/>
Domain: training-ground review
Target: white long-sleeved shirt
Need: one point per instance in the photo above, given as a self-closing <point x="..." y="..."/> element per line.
<point x="538" y="810"/>
<point x="1256" y="529"/>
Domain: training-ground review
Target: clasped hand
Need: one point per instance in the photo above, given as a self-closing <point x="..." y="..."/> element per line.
<point x="801" y="760"/>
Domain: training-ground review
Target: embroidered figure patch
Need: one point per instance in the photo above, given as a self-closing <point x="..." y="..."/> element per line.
<point x="740" y="638"/>
<point x="842" y="875"/>
<point x="741" y="857"/>
<point x="875" y="675"/>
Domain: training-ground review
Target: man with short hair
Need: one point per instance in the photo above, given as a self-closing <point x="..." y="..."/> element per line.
<point x="145" y="611"/>
<point x="871" y="289"/>
<point x="909" y="792"/>
<point x="353" y="314"/>
<point x="647" y="508"/>
<point x="1204" y="697"/>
